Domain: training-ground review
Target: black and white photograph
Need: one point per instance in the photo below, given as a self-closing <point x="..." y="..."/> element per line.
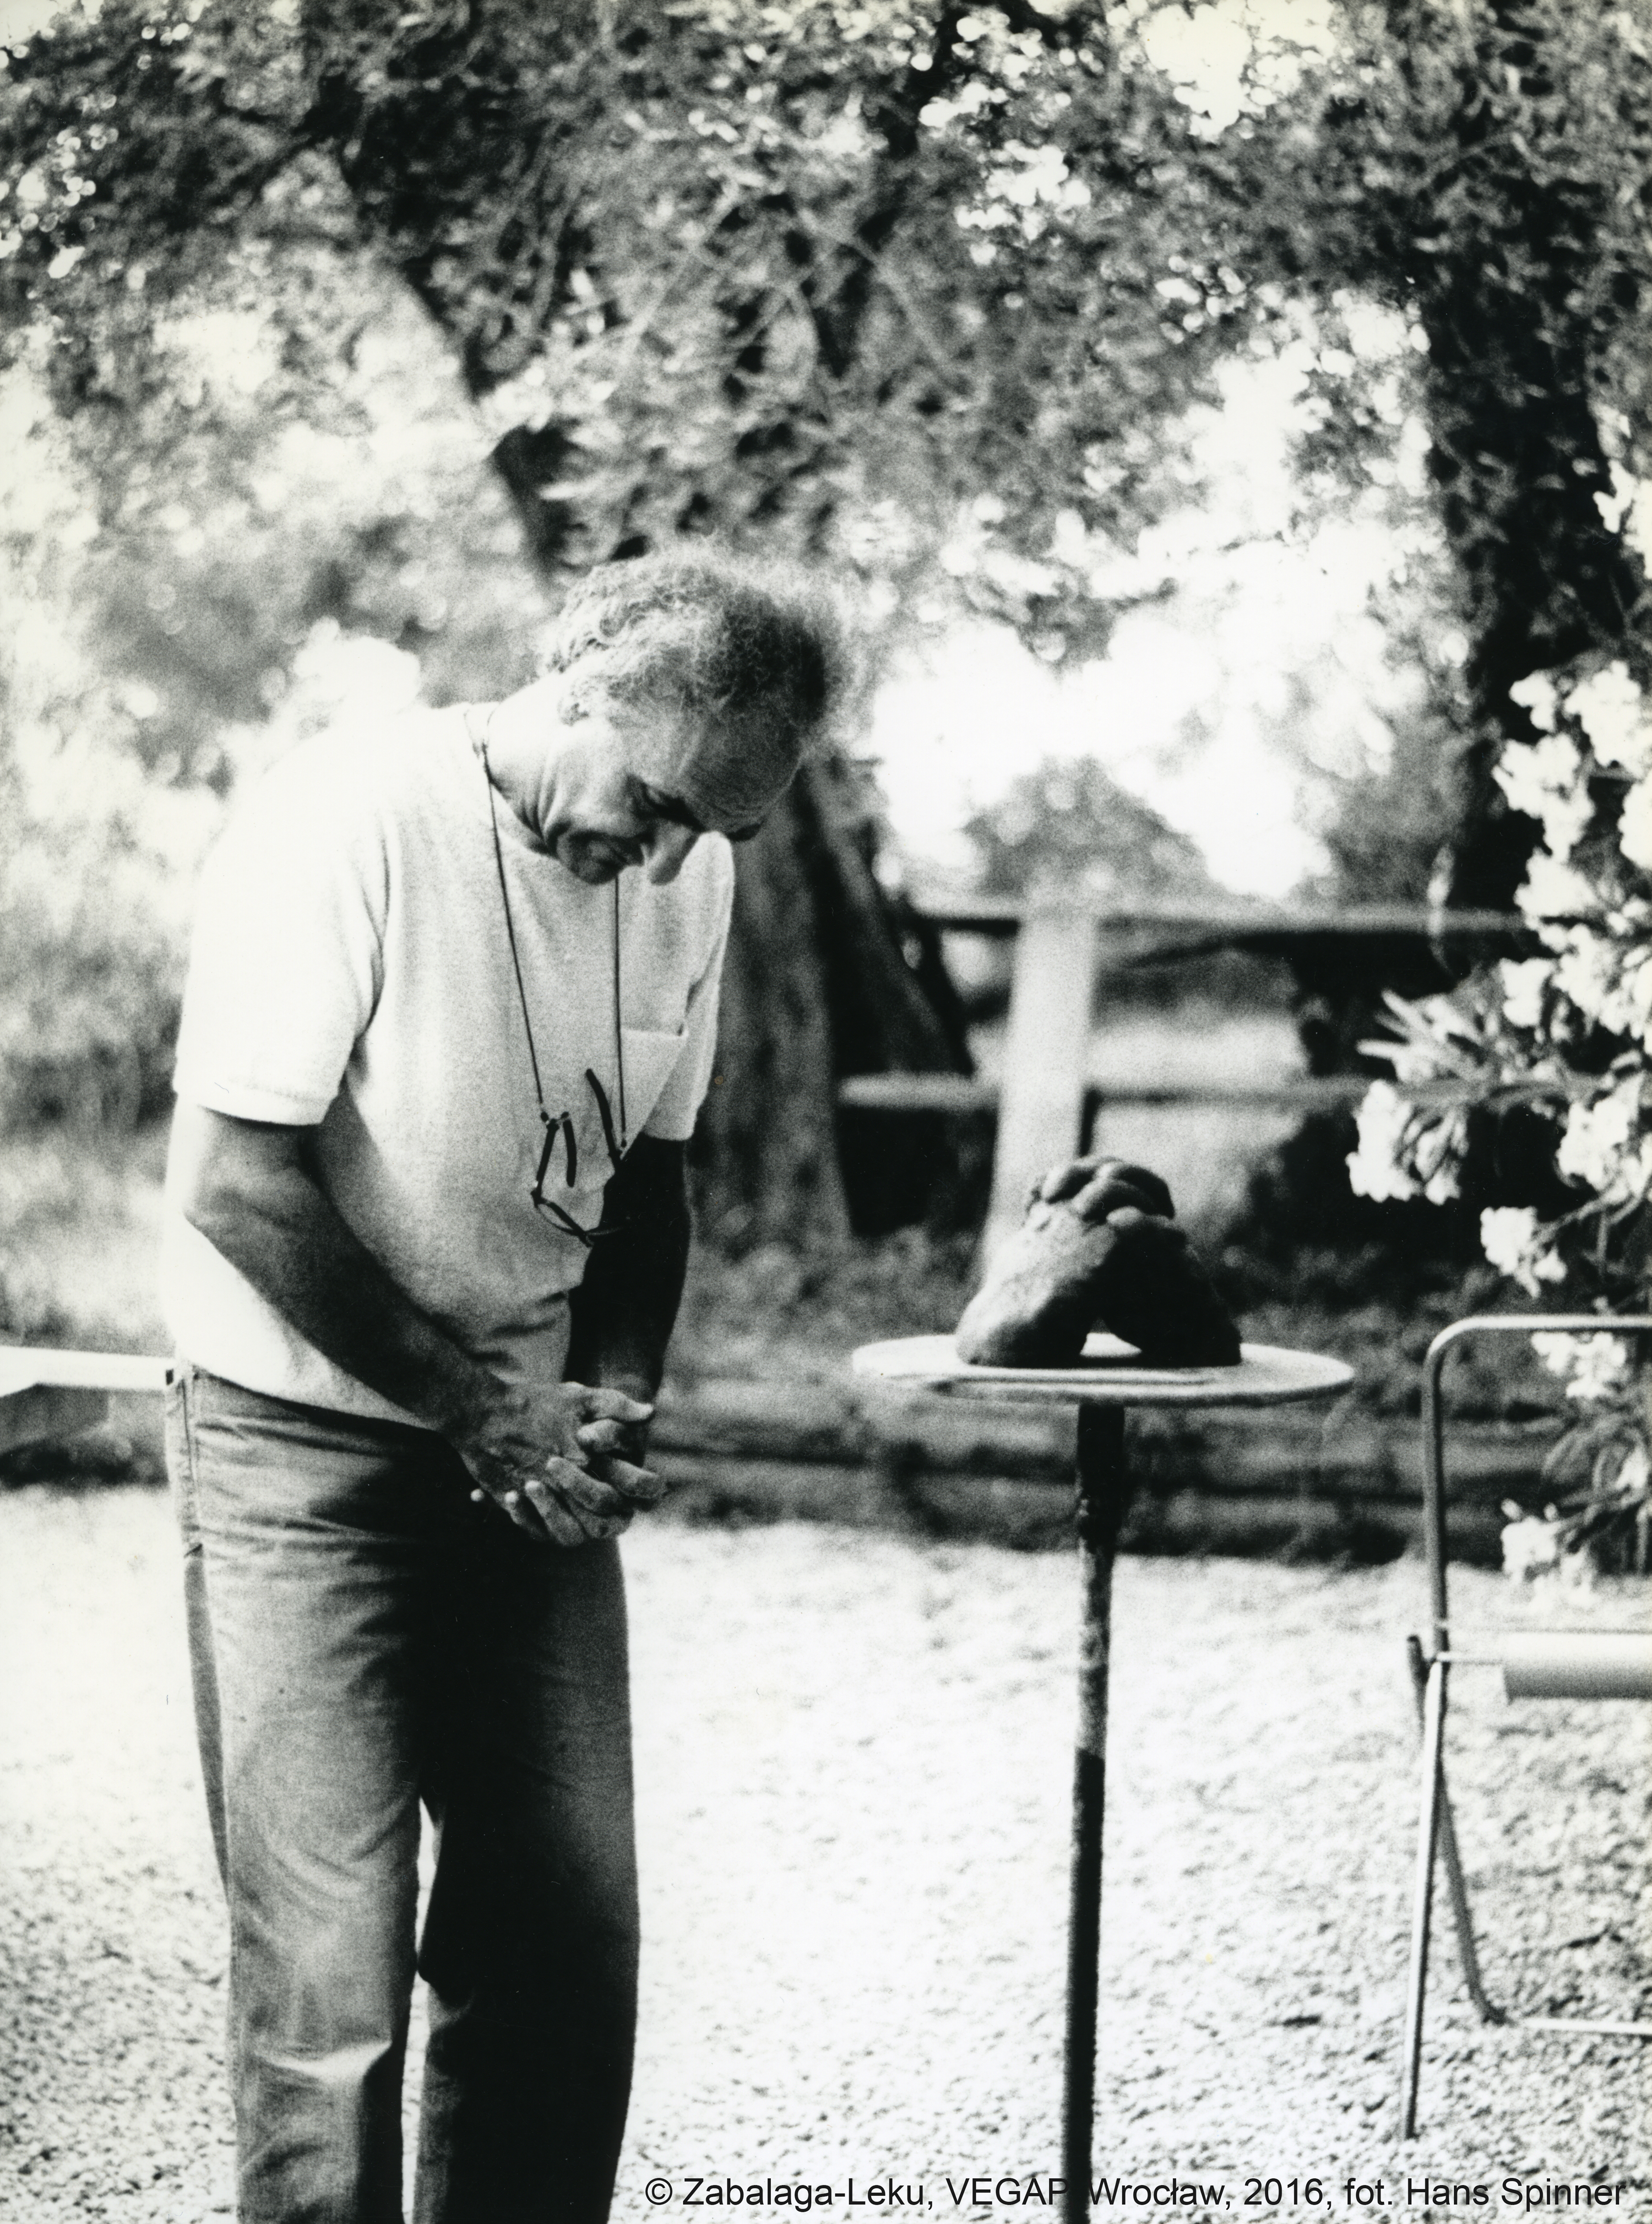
<point x="825" y="1110"/>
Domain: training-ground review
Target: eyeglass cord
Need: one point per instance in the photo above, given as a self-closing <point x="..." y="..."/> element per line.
<point x="617" y="1145"/>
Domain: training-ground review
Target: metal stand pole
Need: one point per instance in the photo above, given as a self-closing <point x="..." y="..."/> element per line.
<point x="1102" y="1496"/>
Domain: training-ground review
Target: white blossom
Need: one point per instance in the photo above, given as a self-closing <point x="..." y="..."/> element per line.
<point x="1591" y="1366"/>
<point x="1635" y="827"/>
<point x="1638" y="525"/>
<point x="1374" y="1168"/>
<point x="1398" y="1156"/>
<point x="1531" y="1548"/>
<point x="1637" y="996"/>
<point x="1514" y="1240"/>
<point x="1615" y="507"/>
<point x="1536" y="694"/>
<point x="1596" y="1143"/>
<point x="1524" y="980"/>
<point x="1610" y="708"/>
<point x="1544" y="779"/>
<point x="1589" y="974"/>
<point x="1566" y="819"/>
<point x="1596" y="921"/>
<point x="1553" y="889"/>
<point x="1527" y="772"/>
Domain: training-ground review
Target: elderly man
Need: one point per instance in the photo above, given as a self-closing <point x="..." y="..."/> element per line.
<point x="425" y="1235"/>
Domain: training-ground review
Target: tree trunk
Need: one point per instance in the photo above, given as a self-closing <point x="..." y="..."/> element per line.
<point x="1516" y="455"/>
<point x="766" y="1154"/>
<point x="824" y="978"/>
<point x="1498" y="274"/>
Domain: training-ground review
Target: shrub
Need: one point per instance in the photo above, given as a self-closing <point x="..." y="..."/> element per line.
<point x="1564" y="1039"/>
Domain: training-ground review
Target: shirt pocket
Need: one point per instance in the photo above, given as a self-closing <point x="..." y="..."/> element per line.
<point x="651" y="1056"/>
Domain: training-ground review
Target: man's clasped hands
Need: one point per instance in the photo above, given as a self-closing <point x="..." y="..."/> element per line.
<point x="563" y="1459"/>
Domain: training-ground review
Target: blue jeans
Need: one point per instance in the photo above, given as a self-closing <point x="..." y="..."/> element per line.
<point x="362" y="1637"/>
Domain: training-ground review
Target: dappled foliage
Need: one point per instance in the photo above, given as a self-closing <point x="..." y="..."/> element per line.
<point x="262" y="558"/>
<point x="1489" y="170"/>
<point x="918" y="289"/>
<point x="924" y="292"/>
<point x="829" y="274"/>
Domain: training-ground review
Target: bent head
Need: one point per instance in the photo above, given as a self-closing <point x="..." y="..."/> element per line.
<point x="682" y="695"/>
<point x="629" y="791"/>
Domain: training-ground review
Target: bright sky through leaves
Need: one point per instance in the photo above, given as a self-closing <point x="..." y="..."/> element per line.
<point x="1232" y="707"/>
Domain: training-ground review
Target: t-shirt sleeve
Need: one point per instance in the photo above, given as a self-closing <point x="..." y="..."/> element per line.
<point x="285" y="963"/>
<point x="678" y="1102"/>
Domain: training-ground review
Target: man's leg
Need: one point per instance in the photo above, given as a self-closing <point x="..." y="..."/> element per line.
<point x="309" y="1541"/>
<point x="530" y="1943"/>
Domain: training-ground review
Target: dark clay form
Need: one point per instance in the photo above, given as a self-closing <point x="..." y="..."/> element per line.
<point x="1097" y="1250"/>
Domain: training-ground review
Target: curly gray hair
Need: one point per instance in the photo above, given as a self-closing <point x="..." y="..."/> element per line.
<point x="708" y="643"/>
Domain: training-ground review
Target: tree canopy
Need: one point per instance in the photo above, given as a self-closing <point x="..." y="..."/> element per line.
<point x="923" y="291"/>
<point x="918" y="289"/>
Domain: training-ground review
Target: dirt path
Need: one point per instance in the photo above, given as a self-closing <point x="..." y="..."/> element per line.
<point x="853" y="1763"/>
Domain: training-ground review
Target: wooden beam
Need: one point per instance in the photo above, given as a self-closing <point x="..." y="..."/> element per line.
<point x="959" y="1093"/>
<point x="21" y="1364"/>
<point x="919" y="1092"/>
<point x="1001" y="916"/>
<point x="46" y="1393"/>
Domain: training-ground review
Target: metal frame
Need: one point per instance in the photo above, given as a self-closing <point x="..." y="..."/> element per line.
<point x="1436" y="1831"/>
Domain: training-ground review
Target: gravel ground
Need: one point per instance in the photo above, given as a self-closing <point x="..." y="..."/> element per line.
<point x="853" y="1755"/>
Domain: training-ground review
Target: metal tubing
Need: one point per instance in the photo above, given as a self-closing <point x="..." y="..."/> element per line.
<point x="1102" y="1494"/>
<point x="1578" y="1664"/>
<point x="1436" y="1820"/>
<point x="1467" y="1952"/>
<point x="1434" y="1724"/>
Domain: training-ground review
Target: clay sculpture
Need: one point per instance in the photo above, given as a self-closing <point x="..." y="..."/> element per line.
<point x="1099" y="1248"/>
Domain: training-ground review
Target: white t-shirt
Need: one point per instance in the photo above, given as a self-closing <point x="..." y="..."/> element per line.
<point x="350" y="971"/>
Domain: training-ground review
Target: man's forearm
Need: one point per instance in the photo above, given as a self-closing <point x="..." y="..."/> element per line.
<point x="250" y="1188"/>
<point x="624" y="1309"/>
<point x="284" y="1234"/>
